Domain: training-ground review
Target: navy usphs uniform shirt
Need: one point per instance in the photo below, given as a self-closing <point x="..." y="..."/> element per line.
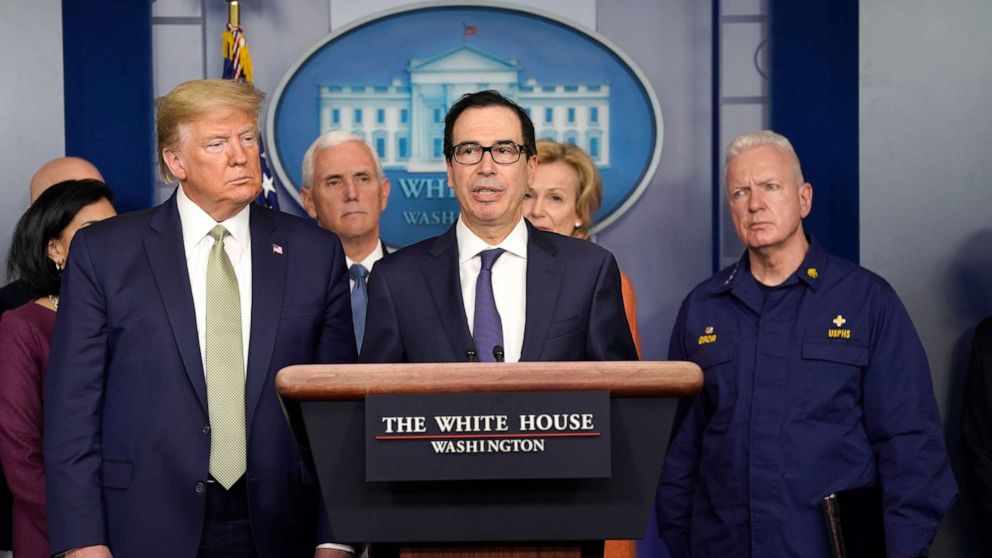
<point x="818" y="385"/>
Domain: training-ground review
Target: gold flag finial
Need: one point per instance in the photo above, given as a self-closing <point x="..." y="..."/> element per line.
<point x="233" y="15"/>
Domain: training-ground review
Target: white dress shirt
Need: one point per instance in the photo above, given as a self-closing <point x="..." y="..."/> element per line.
<point x="368" y="262"/>
<point x="196" y="224"/>
<point x="509" y="282"/>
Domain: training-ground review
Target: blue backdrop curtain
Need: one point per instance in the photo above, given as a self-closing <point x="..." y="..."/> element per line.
<point x="109" y="114"/>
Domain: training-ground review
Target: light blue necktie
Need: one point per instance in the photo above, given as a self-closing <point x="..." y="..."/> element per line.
<point x="359" y="300"/>
<point x="488" y="327"/>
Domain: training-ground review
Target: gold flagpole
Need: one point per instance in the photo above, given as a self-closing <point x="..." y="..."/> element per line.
<point x="233" y="13"/>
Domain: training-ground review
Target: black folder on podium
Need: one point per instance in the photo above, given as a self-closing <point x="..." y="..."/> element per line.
<point x="855" y="523"/>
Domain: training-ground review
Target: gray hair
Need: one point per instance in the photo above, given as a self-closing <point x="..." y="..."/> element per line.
<point x="749" y="141"/>
<point x="331" y="139"/>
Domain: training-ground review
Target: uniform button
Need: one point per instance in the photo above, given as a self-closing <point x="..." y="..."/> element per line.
<point x="206" y="429"/>
<point x="201" y="487"/>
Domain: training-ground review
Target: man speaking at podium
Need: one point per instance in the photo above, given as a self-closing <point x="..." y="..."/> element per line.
<point x="494" y="288"/>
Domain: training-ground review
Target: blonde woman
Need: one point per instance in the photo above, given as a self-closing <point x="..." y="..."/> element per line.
<point x="567" y="191"/>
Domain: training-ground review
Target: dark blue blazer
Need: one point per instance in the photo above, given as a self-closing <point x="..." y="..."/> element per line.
<point x="574" y="309"/>
<point x="126" y="440"/>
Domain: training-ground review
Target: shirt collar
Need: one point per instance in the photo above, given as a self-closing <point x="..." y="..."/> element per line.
<point x="809" y="272"/>
<point x="196" y="223"/>
<point x="813" y="266"/>
<point x="369" y="261"/>
<point x="469" y="245"/>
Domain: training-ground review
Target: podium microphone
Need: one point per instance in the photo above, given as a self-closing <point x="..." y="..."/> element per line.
<point x="498" y="353"/>
<point x="470" y="355"/>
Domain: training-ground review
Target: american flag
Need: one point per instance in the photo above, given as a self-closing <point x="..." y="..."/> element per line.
<point x="237" y="66"/>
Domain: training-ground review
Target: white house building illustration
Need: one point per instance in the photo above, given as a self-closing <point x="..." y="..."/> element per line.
<point x="405" y="122"/>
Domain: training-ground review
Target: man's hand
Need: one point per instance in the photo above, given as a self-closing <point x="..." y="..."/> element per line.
<point x="100" y="551"/>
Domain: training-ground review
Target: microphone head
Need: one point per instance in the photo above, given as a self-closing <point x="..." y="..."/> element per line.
<point x="471" y="356"/>
<point x="498" y="353"/>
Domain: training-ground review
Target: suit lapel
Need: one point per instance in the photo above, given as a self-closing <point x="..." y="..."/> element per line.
<point x="543" y="285"/>
<point x="268" y="275"/>
<point x="167" y="258"/>
<point x="444" y="283"/>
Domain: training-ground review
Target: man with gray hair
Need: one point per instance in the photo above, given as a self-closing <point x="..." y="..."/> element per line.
<point x="815" y="382"/>
<point x="346" y="191"/>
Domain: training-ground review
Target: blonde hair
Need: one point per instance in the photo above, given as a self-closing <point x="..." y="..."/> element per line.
<point x="590" y="194"/>
<point x="193" y="99"/>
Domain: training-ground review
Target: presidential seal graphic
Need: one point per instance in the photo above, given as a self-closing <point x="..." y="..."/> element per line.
<point x="390" y="79"/>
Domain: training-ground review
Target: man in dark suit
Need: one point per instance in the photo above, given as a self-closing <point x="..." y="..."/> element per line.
<point x="493" y="287"/>
<point x="162" y="424"/>
<point x="346" y="191"/>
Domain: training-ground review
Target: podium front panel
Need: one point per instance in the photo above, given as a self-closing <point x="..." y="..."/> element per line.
<point x="490" y="510"/>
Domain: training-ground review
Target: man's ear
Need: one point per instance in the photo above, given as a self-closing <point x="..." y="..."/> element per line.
<point x="174" y="162"/>
<point x="805" y="199"/>
<point x="531" y="169"/>
<point x="307" y="197"/>
<point x="385" y="193"/>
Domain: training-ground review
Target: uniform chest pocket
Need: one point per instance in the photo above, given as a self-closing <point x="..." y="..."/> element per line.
<point x="832" y="375"/>
<point x="719" y="393"/>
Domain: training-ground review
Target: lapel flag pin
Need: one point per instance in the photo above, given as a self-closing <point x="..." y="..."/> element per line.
<point x="276" y="249"/>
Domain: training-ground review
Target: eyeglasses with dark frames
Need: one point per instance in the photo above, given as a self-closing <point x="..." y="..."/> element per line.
<point x="502" y="152"/>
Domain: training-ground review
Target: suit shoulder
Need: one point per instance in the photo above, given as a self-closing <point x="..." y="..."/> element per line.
<point x="407" y="256"/>
<point x="718" y="280"/>
<point x="122" y="227"/>
<point x="845" y="270"/>
<point x="293" y="225"/>
<point x="306" y="236"/>
<point x="571" y="248"/>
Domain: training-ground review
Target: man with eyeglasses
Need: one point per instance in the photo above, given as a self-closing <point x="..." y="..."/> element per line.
<point x="494" y="288"/>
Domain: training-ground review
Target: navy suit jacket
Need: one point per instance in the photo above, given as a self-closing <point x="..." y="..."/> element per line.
<point x="574" y="309"/>
<point x="126" y="440"/>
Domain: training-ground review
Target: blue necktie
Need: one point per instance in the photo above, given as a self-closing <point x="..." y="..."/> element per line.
<point x="359" y="300"/>
<point x="488" y="327"/>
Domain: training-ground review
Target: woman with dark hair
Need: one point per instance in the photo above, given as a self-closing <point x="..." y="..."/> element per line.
<point x="38" y="253"/>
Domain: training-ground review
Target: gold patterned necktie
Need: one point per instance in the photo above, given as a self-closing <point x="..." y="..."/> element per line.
<point x="225" y="366"/>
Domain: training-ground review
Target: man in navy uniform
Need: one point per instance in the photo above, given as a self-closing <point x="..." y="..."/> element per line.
<point x="815" y="382"/>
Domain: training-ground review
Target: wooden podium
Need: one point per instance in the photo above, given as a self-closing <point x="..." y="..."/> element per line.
<point x="504" y="518"/>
